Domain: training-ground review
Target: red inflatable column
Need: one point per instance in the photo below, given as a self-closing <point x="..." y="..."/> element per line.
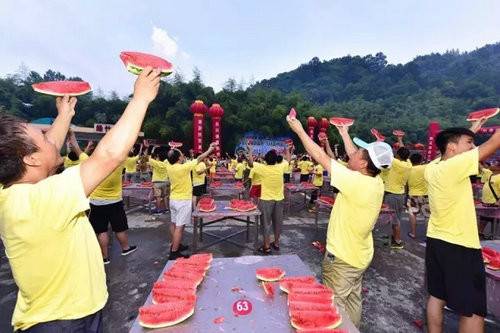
<point x="216" y="112"/>
<point x="432" y="131"/>
<point x="311" y="125"/>
<point x="198" y="108"/>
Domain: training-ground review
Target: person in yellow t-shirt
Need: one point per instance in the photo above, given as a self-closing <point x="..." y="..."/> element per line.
<point x="490" y="195"/>
<point x="349" y="241"/>
<point x="317" y="181"/>
<point x="272" y="197"/>
<point x="199" y="180"/>
<point x="131" y="173"/>
<point x="305" y="167"/>
<point x="232" y="162"/>
<point x="159" y="178"/>
<point x="454" y="265"/>
<point x="181" y="196"/>
<point x="212" y="166"/>
<point x="395" y="180"/>
<point x="239" y="169"/>
<point x="417" y="202"/>
<point x="52" y="249"/>
<point x="255" y="185"/>
<point x="75" y="154"/>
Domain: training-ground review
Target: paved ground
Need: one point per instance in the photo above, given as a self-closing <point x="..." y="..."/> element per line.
<point x="394" y="290"/>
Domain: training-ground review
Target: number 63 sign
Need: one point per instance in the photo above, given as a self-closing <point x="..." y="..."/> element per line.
<point x="242" y="307"/>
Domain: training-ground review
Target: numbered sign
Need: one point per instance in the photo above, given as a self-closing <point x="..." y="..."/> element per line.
<point x="242" y="307"/>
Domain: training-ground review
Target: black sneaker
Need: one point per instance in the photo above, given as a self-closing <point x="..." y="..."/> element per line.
<point x="177" y="254"/>
<point x="130" y="249"/>
<point x="106" y="261"/>
<point x="396" y="245"/>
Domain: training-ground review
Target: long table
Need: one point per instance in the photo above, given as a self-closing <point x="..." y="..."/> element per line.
<point x="223" y="213"/>
<point x="493" y="283"/>
<point x="226" y="189"/>
<point x="294" y="188"/>
<point x="232" y="279"/>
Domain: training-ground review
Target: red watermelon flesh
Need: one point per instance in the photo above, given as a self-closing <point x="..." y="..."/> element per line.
<point x="377" y="134"/>
<point x="174" y="144"/>
<point x="165" y="314"/>
<point x="204" y="257"/>
<point x="61" y="88"/>
<point x="189" y="264"/>
<point x="485" y="113"/>
<point x="398" y="133"/>
<point x="206" y="201"/>
<point x="315" y="319"/>
<point x="207" y="207"/>
<point x="165" y="295"/>
<point x="286" y="286"/>
<point x="317" y="289"/>
<point x="270" y="274"/>
<point x="288" y="281"/>
<point x="195" y="278"/>
<point x="337" y="121"/>
<point x="310" y="306"/>
<point x="292" y="114"/>
<point x="327" y="200"/>
<point x="189" y="269"/>
<point x="309" y="298"/>
<point x="268" y="288"/>
<point x="175" y="283"/>
<point x="242" y="205"/>
<point x="137" y="61"/>
<point x="494" y="264"/>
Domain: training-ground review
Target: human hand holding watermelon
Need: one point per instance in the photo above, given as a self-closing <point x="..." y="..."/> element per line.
<point x="147" y="84"/>
<point x="294" y="124"/>
<point x="66" y="105"/>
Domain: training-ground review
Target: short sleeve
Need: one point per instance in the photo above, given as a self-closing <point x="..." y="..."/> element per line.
<point x="257" y="168"/>
<point x="200" y="167"/>
<point x="342" y="177"/>
<point x="191" y="165"/>
<point x="463" y="165"/>
<point x="59" y="198"/>
<point x="83" y="157"/>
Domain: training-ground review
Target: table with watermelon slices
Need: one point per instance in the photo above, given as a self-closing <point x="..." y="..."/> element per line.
<point x="229" y="189"/>
<point x="293" y="188"/>
<point x="138" y="191"/>
<point x="232" y="281"/>
<point x="492" y="282"/>
<point x="222" y="213"/>
<point x="223" y="177"/>
<point x="491" y="212"/>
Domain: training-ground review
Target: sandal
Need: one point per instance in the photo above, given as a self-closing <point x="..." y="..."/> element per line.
<point x="264" y="250"/>
<point x="274" y="246"/>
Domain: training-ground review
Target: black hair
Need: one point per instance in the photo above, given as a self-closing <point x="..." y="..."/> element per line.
<point x="271" y="157"/>
<point x="130" y="153"/>
<point x="304" y="158"/>
<point x="279" y="159"/>
<point x="73" y="156"/>
<point x="451" y="135"/>
<point x="416" y="158"/>
<point x="162" y="155"/>
<point x="173" y="156"/>
<point x="372" y="169"/>
<point x="403" y="153"/>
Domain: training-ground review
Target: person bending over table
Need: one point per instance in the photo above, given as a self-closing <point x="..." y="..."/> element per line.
<point x="52" y="249"/>
<point x="349" y="242"/>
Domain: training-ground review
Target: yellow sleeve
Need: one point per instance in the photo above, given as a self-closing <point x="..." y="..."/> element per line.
<point x="463" y="165"/>
<point x="342" y="177"/>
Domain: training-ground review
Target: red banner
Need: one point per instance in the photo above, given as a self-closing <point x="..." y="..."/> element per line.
<point x="198" y="132"/>
<point x="432" y="132"/>
<point x="216" y="134"/>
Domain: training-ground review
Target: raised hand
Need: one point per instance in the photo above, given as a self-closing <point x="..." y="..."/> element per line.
<point x="66" y="105"/>
<point x="294" y="124"/>
<point x="147" y="84"/>
<point x="476" y="125"/>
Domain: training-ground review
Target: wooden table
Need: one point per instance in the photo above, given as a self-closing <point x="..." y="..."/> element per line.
<point x="223" y="213"/>
<point x="493" y="283"/>
<point x="231" y="279"/>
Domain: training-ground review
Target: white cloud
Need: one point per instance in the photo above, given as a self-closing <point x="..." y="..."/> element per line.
<point x="163" y="43"/>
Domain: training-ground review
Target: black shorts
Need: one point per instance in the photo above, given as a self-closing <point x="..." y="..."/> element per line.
<point x="90" y="324"/>
<point x="101" y="216"/>
<point x="304" y="178"/>
<point x="286" y="177"/>
<point x="199" y="190"/>
<point x="456" y="275"/>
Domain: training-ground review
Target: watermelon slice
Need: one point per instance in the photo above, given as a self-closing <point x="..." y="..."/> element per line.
<point x="485" y="113"/>
<point x="61" y="88"/>
<point x="292" y="114"/>
<point x="311" y="319"/>
<point x="268" y="288"/>
<point x="174" y="144"/>
<point x="200" y="257"/>
<point x="309" y="298"/>
<point x="191" y="269"/>
<point x="337" y="121"/>
<point x="377" y="134"/>
<point x="206" y="208"/>
<point x="494" y="264"/>
<point x="326" y="200"/>
<point x="317" y="289"/>
<point x="489" y="254"/>
<point x="270" y="274"/>
<point x="195" y="278"/>
<point x="165" y="295"/>
<point x="398" y="133"/>
<point x="206" y="200"/>
<point x="137" y="61"/>
<point x="242" y="205"/>
<point x="322" y="136"/>
<point x="309" y="306"/>
<point x="322" y="331"/>
<point x="165" y="314"/>
<point x="287" y="282"/>
<point x="175" y="283"/>
<point x="186" y="264"/>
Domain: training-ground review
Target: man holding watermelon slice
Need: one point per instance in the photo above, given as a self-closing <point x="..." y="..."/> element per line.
<point x="52" y="249"/>
<point x="454" y="265"/>
<point x="349" y="242"/>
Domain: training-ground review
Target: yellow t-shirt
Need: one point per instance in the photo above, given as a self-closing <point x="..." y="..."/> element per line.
<point x="160" y="173"/>
<point x="305" y="167"/>
<point x="199" y="179"/>
<point x="286" y="166"/>
<point x="271" y="180"/>
<point x="111" y="187"/>
<point x="232" y="165"/>
<point x="354" y="215"/>
<point x="485" y="175"/>
<point x="181" y="187"/>
<point x="240" y="167"/>
<point x="131" y="164"/>
<point x="256" y="179"/>
<point x="453" y="215"/>
<point x="416" y="181"/>
<point x="69" y="163"/>
<point x="397" y="176"/>
<point x="487" y="196"/>
<point x="213" y="166"/>
<point x="318" y="175"/>
<point x="52" y="249"/>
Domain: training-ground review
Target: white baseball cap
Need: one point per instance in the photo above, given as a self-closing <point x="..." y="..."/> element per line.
<point x="380" y="152"/>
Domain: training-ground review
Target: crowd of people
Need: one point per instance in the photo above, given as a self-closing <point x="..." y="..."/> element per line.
<point x="54" y="225"/>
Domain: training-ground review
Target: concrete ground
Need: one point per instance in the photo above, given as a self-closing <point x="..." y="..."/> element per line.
<point x="393" y="297"/>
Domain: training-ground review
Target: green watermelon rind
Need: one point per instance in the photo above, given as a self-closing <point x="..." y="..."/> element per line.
<point x="473" y="115"/>
<point x="167" y="324"/>
<point x="136" y="70"/>
<point x="262" y="276"/>
<point x="331" y="326"/>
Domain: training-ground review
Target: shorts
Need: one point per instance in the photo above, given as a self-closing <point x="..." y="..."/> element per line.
<point x="304" y="178"/>
<point x="455" y="274"/>
<point x="199" y="190"/>
<point x="101" y="216"/>
<point x="255" y="191"/>
<point x="418" y="205"/>
<point x="286" y="177"/>
<point x="395" y="202"/>
<point x="91" y="324"/>
<point x="272" y="216"/>
<point x="180" y="212"/>
<point x="160" y="189"/>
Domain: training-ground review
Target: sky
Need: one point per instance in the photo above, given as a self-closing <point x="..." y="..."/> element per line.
<point x="246" y="40"/>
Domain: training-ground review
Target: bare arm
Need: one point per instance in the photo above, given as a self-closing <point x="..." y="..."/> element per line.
<point x="288" y="155"/>
<point x="59" y="129"/>
<point x="476" y="125"/>
<point x="113" y="149"/>
<point x="311" y="147"/>
<point x="328" y="149"/>
<point x="250" y="155"/>
<point x="349" y="146"/>
<point x="489" y="147"/>
<point x="140" y="150"/>
<point x="206" y="153"/>
<point x="400" y="141"/>
<point x="90" y="144"/>
<point x="73" y="144"/>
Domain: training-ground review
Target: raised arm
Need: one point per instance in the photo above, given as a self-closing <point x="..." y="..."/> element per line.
<point x="328" y="149"/>
<point x="59" y="129"/>
<point x="73" y="144"/>
<point x="349" y="146"/>
<point x="489" y="147"/>
<point x="113" y="148"/>
<point x="207" y="152"/>
<point x="311" y="147"/>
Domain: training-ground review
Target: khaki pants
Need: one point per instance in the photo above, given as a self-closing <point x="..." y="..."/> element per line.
<point x="345" y="280"/>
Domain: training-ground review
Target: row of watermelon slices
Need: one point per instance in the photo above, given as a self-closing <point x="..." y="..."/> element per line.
<point x="491" y="258"/>
<point x="174" y="297"/>
<point x="310" y="304"/>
